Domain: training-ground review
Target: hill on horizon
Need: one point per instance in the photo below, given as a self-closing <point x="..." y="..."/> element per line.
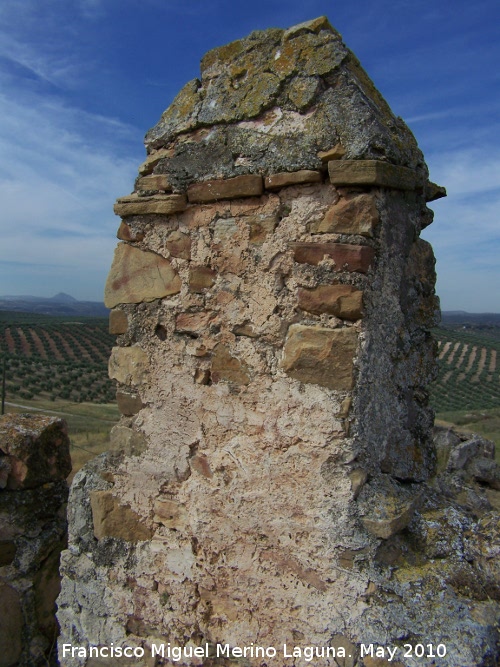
<point x="59" y="304"/>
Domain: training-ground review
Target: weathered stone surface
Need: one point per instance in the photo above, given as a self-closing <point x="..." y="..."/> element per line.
<point x="127" y="441"/>
<point x="346" y="257"/>
<point x="153" y="159"/>
<point x="170" y="513"/>
<point x="464" y="452"/>
<point x="352" y="215"/>
<point x="7" y="552"/>
<point x="11" y="626"/>
<point x="321" y="356"/>
<point x="227" y="368"/>
<point x="270" y="100"/>
<point x="337" y="152"/>
<point x="137" y="276"/>
<point x="371" y="172"/>
<point x="486" y="472"/>
<point x="232" y="188"/>
<point x="201" y="278"/>
<point x="127" y="233"/>
<point x="128" y="404"/>
<point x="260" y="226"/>
<point x="344" y="301"/>
<point x="128" y="365"/>
<point x="36" y="448"/>
<point x="114" y="520"/>
<point x="278" y="181"/>
<point x="154" y="182"/>
<point x="118" y="322"/>
<point x="388" y="507"/>
<point x="179" y="245"/>
<point x="358" y="479"/>
<point x="434" y="191"/>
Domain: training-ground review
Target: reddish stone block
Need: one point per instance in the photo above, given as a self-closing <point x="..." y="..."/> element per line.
<point x="343" y="301"/>
<point x="283" y="179"/>
<point x="346" y="257"/>
<point x="200" y="278"/>
<point x="126" y="233"/>
<point x="351" y="215"/>
<point x="249" y="185"/>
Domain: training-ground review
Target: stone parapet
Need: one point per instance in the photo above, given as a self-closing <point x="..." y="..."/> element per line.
<point x="271" y="367"/>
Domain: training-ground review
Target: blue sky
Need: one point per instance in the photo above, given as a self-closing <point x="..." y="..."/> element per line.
<point x="81" y="81"/>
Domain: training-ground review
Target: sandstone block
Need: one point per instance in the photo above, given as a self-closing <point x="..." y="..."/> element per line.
<point x="126" y="233"/>
<point x="170" y="514"/>
<point x="137" y="276"/>
<point x="278" y="181"/>
<point x="154" y="182"/>
<point x="371" y="172"/>
<point x="154" y="158"/>
<point x="249" y="185"/>
<point x="36" y="448"/>
<point x="200" y="278"/>
<point x="228" y="368"/>
<point x="128" y="404"/>
<point x="179" y="245"/>
<point x="346" y="257"/>
<point x="335" y="153"/>
<point x="114" y="520"/>
<point x="128" y="365"/>
<point x="320" y="356"/>
<point x="343" y="301"/>
<point x="156" y="205"/>
<point x="192" y="322"/>
<point x="356" y="215"/>
<point x="118" y="322"/>
<point x="11" y="626"/>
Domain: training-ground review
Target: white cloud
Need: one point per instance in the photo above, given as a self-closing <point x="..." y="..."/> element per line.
<point x="61" y="171"/>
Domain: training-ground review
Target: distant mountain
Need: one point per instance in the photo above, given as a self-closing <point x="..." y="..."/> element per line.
<point x="461" y="316"/>
<point x="64" y="298"/>
<point x="60" y="304"/>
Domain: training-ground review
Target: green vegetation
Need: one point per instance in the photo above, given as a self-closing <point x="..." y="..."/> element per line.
<point x="56" y="358"/>
<point x="58" y="365"/>
<point x="469" y="373"/>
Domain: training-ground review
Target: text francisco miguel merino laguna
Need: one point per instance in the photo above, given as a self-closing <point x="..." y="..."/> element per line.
<point x="178" y="653"/>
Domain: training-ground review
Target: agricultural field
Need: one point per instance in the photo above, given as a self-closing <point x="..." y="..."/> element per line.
<point x="58" y="366"/>
<point x="469" y="371"/>
<point x="51" y="358"/>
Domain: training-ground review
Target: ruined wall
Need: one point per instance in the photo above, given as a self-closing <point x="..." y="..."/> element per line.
<point x="272" y="302"/>
<point x="34" y="464"/>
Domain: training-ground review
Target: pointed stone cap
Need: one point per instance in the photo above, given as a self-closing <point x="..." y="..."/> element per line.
<point x="270" y="103"/>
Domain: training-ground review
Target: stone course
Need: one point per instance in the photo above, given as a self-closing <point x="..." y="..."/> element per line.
<point x="273" y="477"/>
